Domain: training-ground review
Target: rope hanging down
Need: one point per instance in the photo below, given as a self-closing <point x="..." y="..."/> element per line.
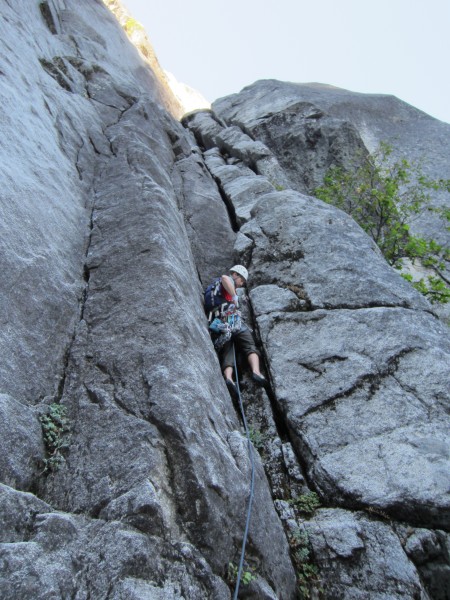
<point x="252" y="483"/>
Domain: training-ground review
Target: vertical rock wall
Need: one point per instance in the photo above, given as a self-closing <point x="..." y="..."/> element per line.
<point x="101" y="297"/>
<point x="358" y="364"/>
<point x="113" y="218"/>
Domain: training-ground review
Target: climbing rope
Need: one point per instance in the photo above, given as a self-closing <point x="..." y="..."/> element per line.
<point x="252" y="482"/>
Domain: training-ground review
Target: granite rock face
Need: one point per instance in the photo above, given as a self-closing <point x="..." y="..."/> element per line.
<point x="310" y="127"/>
<point x="101" y="299"/>
<point x="114" y="217"/>
<point x="47" y="553"/>
<point x="357" y="359"/>
<point x="348" y="547"/>
<point x="22" y="445"/>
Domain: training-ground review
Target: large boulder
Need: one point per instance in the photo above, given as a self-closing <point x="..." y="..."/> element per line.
<point x="365" y="378"/>
<point x="305" y="245"/>
<point x="46" y="553"/>
<point x="348" y="546"/>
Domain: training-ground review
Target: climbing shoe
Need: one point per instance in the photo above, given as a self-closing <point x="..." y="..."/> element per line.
<point x="262" y="381"/>
<point x="231" y="387"/>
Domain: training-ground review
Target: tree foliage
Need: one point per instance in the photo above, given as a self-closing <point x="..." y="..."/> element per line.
<point x="385" y="196"/>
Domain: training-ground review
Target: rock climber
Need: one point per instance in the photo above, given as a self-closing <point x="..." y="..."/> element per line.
<point x="221" y="305"/>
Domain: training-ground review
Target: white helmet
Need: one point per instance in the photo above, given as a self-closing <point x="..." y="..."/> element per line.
<point x="240" y="270"/>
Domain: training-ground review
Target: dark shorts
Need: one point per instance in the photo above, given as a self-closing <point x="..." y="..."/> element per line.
<point x="244" y="343"/>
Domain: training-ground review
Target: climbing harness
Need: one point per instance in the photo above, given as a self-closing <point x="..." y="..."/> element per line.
<point x="252" y="481"/>
<point x="228" y="323"/>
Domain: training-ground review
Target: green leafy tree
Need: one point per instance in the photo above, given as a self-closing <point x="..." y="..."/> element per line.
<point x="385" y="196"/>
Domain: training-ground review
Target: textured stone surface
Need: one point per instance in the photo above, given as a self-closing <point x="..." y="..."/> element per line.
<point x="151" y="497"/>
<point x="357" y="361"/>
<point x="22" y="446"/>
<point x="52" y="119"/>
<point x="369" y="382"/>
<point x="322" y="255"/>
<point x="309" y="127"/>
<point x="207" y="220"/>
<point x="352" y="397"/>
<point x="429" y="550"/>
<point x="360" y="558"/>
<point x="317" y="139"/>
<point x="211" y="133"/>
<point x="49" y="554"/>
<point x="111" y="225"/>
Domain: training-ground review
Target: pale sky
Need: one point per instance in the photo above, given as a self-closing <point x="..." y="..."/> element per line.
<point x="399" y="47"/>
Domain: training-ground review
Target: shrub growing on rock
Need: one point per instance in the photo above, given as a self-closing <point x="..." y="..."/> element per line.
<point x="385" y="196"/>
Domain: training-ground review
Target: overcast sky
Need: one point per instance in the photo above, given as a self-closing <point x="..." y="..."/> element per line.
<point x="399" y="47"/>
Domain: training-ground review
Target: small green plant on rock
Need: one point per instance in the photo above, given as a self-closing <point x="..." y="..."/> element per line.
<point x="308" y="578"/>
<point x="246" y="575"/>
<point x="306" y="503"/>
<point x="54" y="425"/>
<point x="307" y="573"/>
<point x="258" y="438"/>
